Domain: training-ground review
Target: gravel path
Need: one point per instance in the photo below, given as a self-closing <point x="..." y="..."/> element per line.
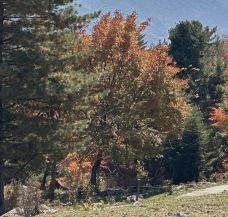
<point x="211" y="190"/>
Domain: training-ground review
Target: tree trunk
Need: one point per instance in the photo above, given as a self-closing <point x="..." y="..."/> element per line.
<point x="93" y="179"/>
<point x="44" y="179"/>
<point x="53" y="181"/>
<point x="2" y="207"/>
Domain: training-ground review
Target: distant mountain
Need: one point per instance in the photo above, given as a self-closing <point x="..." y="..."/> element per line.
<point x="166" y="13"/>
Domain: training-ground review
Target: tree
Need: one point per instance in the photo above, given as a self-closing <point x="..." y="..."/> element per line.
<point x="189" y="41"/>
<point x="140" y="100"/>
<point x="142" y="41"/>
<point x="184" y="157"/>
<point x="218" y="118"/>
<point x="31" y="93"/>
<point x="207" y="90"/>
<point x="218" y="114"/>
<point x="201" y="57"/>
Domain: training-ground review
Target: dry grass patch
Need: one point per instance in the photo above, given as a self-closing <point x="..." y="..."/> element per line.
<point x="159" y="206"/>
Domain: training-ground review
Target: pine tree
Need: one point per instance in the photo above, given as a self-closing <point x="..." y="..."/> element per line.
<point x="189" y="41"/>
<point x="184" y="157"/>
<point x="142" y="42"/>
<point x="30" y="94"/>
<point x="201" y="56"/>
<point x="207" y="89"/>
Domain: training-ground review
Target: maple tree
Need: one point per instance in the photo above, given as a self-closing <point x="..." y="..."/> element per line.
<point x="136" y="100"/>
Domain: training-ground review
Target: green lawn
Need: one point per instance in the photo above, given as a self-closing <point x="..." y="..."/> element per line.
<point x="157" y="206"/>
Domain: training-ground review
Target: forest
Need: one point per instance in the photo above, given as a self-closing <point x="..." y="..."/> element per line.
<point x="86" y="114"/>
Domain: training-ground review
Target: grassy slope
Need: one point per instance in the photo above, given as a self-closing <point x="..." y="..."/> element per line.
<point x="158" y="206"/>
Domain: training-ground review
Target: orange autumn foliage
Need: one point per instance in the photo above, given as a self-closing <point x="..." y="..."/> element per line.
<point x="139" y="84"/>
<point x="114" y="41"/>
<point x="220" y="118"/>
<point x="76" y="170"/>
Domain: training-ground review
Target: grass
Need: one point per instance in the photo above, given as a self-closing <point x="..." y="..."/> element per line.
<point x="164" y="205"/>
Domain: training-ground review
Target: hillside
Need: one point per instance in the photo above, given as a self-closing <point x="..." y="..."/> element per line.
<point x="166" y="13"/>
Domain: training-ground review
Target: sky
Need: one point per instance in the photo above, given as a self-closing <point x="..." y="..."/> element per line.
<point x="165" y="14"/>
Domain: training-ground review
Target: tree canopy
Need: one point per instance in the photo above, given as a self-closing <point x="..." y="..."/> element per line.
<point x="140" y="99"/>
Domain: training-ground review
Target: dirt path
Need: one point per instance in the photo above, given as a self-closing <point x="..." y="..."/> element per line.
<point x="211" y="190"/>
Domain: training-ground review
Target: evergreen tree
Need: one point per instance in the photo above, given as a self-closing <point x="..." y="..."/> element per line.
<point x="195" y="49"/>
<point x="201" y="57"/>
<point x="213" y="154"/>
<point x="184" y="157"/>
<point x="207" y="88"/>
<point x="30" y="93"/>
<point x="142" y="42"/>
<point x="189" y="41"/>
